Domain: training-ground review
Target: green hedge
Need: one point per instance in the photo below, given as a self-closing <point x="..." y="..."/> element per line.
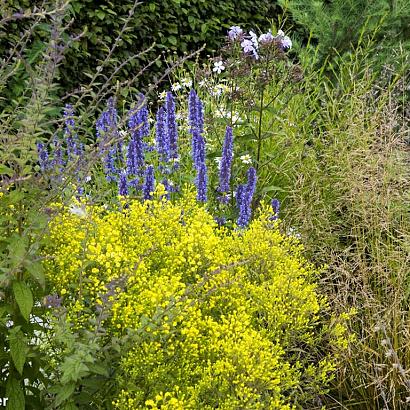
<point x="175" y="25"/>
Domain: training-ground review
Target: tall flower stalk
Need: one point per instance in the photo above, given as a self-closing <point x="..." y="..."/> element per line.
<point x="244" y="198"/>
<point x="225" y="165"/>
<point x="196" y="122"/>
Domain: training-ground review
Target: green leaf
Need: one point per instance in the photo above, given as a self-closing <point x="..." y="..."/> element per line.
<point x="64" y="392"/>
<point x="24" y="298"/>
<point x="73" y="369"/>
<point x="272" y="188"/>
<point x="18" y="349"/>
<point x="15" y="395"/>
<point x="152" y="7"/>
<point x="17" y="250"/>
<point x="70" y="406"/>
<point x="35" y="269"/>
<point x="5" y="170"/>
<point x="100" y="14"/>
<point x="98" y="369"/>
<point x="173" y="40"/>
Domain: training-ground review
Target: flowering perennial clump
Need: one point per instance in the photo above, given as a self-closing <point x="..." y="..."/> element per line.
<point x="214" y="318"/>
<point x="135" y="158"/>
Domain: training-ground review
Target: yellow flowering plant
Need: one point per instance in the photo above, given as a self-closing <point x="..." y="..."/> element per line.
<point x="213" y="317"/>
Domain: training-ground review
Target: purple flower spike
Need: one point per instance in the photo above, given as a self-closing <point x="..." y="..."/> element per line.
<point x="201" y="183"/>
<point x="123" y="183"/>
<point x="69" y="120"/>
<point x="107" y="122"/>
<point x="143" y="117"/>
<point x="244" y="197"/>
<point x="149" y="182"/>
<point x="108" y="136"/>
<point x="251" y="186"/>
<point x="132" y="165"/>
<point x="171" y="124"/>
<point x="71" y="138"/>
<point x="162" y="136"/>
<point x="275" y="206"/>
<point x="138" y="126"/>
<point x="201" y="170"/>
<point x="200" y="115"/>
<point x="198" y="149"/>
<point x="226" y="162"/>
<point x="167" y="187"/>
<point x="43" y="156"/>
<point x="193" y="111"/>
<point x="58" y="160"/>
<point x="109" y="166"/>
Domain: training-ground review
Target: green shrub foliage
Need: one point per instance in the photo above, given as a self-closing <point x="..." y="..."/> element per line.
<point x="176" y="25"/>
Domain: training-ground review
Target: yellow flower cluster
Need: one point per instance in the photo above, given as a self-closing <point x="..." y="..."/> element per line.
<point x="222" y="318"/>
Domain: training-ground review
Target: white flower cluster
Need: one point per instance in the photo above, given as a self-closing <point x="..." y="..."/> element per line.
<point x="184" y="83"/>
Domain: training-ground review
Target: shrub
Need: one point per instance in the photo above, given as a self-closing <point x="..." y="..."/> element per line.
<point x="177" y="25"/>
<point x="218" y="318"/>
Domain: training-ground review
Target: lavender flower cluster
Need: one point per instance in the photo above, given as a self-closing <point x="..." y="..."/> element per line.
<point x="250" y="43"/>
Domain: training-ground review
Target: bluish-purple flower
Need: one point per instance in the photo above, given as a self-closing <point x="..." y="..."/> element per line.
<point x="251" y="185"/>
<point x="43" y="157"/>
<point x="149" y="182"/>
<point x="167" y="188"/>
<point x="235" y="33"/>
<point x="107" y="123"/>
<point x="244" y="198"/>
<point x="135" y="150"/>
<point x="284" y="42"/>
<point x="110" y="169"/>
<point x="171" y="124"/>
<point x="58" y="160"/>
<point x="132" y="164"/>
<point x="162" y="136"/>
<point x="249" y="48"/>
<point x="108" y="136"/>
<point x="193" y="111"/>
<point x="74" y="147"/>
<point x="198" y="149"/>
<point x="143" y="117"/>
<point x="200" y="115"/>
<point x="275" y="207"/>
<point x="226" y="162"/>
<point x="267" y="38"/>
<point x="123" y="183"/>
<point x="201" y="183"/>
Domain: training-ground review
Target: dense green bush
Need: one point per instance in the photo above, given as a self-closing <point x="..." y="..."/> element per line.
<point x="176" y="25"/>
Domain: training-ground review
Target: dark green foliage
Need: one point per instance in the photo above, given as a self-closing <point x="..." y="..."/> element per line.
<point x="174" y="25"/>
